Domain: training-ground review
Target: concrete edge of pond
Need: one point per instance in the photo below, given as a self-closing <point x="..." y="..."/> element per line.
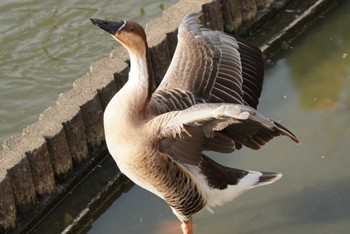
<point x="38" y="167"/>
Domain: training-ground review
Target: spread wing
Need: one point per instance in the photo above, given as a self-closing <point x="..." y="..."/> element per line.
<point x="185" y="134"/>
<point x="213" y="67"/>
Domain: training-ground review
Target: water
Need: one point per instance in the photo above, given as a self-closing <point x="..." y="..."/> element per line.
<point x="308" y="91"/>
<point x="46" y="45"/>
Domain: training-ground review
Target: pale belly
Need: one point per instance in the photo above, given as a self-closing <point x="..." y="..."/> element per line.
<point x="162" y="176"/>
<point x="134" y="161"/>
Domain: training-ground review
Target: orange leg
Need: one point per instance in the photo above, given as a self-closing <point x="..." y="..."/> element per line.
<point x="187" y="227"/>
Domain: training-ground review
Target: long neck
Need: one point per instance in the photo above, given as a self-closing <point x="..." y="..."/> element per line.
<point x="150" y="74"/>
<point x="140" y="83"/>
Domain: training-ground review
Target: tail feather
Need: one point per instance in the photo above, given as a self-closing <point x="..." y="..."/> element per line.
<point x="268" y="178"/>
<point x="257" y="178"/>
<point x="222" y="184"/>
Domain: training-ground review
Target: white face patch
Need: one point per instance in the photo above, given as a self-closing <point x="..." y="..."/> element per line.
<point x="122" y="25"/>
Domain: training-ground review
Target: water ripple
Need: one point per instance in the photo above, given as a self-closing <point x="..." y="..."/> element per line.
<point x="46" y="45"/>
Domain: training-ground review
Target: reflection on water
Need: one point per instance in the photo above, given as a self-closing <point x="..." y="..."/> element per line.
<point x="321" y="87"/>
<point x="309" y="92"/>
<point x="46" y="45"/>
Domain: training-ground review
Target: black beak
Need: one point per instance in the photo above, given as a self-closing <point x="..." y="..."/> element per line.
<point x="109" y="26"/>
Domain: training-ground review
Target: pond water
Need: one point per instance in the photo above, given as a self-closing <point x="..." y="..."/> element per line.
<point x="46" y="45"/>
<point x="308" y="91"/>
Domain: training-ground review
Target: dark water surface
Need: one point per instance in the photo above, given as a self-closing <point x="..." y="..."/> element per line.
<point x="308" y="91"/>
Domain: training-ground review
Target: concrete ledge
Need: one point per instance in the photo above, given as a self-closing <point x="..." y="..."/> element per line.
<point x="39" y="166"/>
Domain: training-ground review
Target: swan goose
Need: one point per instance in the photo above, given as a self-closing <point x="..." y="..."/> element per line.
<point x="206" y="101"/>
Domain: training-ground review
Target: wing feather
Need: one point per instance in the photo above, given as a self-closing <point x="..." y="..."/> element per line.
<point x="185" y="134"/>
<point x="211" y="67"/>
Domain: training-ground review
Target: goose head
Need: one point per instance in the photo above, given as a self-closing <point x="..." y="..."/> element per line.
<point x="128" y="33"/>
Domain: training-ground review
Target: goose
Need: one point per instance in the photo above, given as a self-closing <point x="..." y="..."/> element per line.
<point x="207" y="100"/>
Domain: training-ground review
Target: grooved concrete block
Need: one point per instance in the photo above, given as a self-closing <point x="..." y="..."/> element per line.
<point x="29" y="169"/>
<point x="8" y="212"/>
<point x="76" y="138"/>
<point x="92" y="114"/>
<point x="20" y="176"/>
<point x="60" y="155"/>
<point x="213" y="16"/>
<point x="34" y="149"/>
<point x="41" y="168"/>
<point x="72" y="119"/>
<point x="232" y="15"/>
<point x="121" y="78"/>
<point x="106" y="93"/>
<point x="249" y="9"/>
<point x="23" y="186"/>
<point x="50" y="127"/>
<point x="28" y="174"/>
